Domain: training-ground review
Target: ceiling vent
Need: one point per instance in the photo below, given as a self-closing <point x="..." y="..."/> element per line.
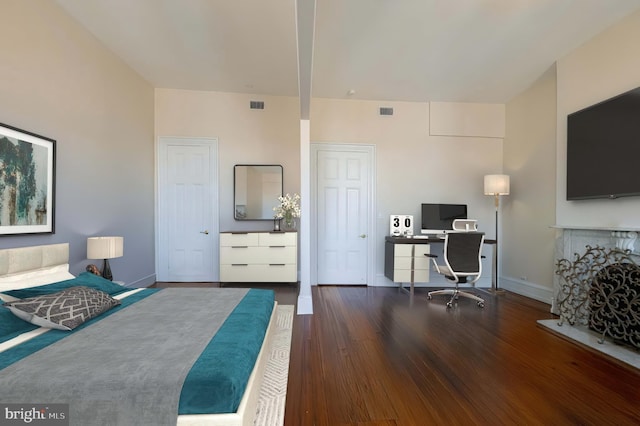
<point x="256" y="104"/>
<point x="386" y="111"/>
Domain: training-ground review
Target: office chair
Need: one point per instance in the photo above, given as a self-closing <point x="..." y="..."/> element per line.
<point x="462" y="254"/>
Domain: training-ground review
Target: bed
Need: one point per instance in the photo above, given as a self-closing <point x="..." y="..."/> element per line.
<point x="149" y="356"/>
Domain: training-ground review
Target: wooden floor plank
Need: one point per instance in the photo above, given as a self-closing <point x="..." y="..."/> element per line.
<point x="374" y="358"/>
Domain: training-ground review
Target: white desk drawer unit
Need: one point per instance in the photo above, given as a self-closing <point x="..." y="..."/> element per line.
<point x="408" y="259"/>
<point x="259" y="257"/>
<point x="405" y="261"/>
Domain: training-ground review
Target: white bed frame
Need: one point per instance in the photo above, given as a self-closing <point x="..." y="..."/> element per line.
<point x="19" y="263"/>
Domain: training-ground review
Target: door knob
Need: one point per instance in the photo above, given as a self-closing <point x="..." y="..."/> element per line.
<point x="363" y="235"/>
<point x="205" y="232"/>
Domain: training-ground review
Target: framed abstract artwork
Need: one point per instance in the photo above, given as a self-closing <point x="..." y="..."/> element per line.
<point x="27" y="182"/>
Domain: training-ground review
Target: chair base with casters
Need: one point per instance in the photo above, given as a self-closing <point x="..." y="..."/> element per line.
<point x="462" y="257"/>
<point x="455" y="294"/>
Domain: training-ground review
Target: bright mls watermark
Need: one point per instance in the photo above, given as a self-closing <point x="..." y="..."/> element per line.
<point x="34" y="414"/>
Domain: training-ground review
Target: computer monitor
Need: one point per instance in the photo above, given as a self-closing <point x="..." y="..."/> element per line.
<point x="438" y="218"/>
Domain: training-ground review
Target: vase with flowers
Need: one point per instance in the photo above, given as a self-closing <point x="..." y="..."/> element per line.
<point x="288" y="211"/>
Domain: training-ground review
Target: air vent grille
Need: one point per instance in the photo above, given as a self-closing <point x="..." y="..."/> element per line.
<point x="386" y="111"/>
<point x="256" y="104"/>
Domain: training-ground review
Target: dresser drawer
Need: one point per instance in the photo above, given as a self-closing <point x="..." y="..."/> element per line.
<point x="405" y="250"/>
<point x="422" y="263"/>
<point x="402" y="263"/>
<point x="421" y="250"/>
<point x="258" y="255"/>
<point x="277" y="254"/>
<point x="258" y="273"/>
<point x="404" y="275"/>
<point x="421" y="276"/>
<point x="402" y="250"/>
<point x="238" y="254"/>
<point x="403" y="258"/>
<point x="228" y="239"/>
<point x="278" y="239"/>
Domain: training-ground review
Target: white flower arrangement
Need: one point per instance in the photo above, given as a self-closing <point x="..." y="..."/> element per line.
<point x="289" y="207"/>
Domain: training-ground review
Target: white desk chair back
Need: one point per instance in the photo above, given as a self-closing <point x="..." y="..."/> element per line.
<point x="465" y="225"/>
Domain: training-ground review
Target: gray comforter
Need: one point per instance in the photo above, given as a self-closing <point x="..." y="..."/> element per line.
<point x="128" y="368"/>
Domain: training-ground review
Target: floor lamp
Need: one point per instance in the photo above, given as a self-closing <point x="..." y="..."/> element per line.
<point x="496" y="185"/>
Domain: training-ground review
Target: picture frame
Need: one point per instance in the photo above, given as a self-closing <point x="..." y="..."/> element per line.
<point x="27" y="182"/>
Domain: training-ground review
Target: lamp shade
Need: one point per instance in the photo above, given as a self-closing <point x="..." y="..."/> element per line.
<point x="496" y="185"/>
<point x="105" y="247"/>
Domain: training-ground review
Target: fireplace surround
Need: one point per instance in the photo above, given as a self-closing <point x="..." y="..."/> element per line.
<point x="573" y="240"/>
<point x="601" y="289"/>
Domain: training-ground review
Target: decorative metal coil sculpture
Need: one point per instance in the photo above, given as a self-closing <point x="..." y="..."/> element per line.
<point x="601" y="289"/>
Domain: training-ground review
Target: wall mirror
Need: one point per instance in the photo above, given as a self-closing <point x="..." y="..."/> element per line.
<point x="256" y="189"/>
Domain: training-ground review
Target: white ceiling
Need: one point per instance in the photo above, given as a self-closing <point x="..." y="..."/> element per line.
<point x="404" y="50"/>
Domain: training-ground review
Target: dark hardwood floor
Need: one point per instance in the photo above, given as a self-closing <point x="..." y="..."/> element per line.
<point x="370" y="357"/>
<point x="285" y="293"/>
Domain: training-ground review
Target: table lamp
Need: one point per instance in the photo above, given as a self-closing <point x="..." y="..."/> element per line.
<point x="105" y="248"/>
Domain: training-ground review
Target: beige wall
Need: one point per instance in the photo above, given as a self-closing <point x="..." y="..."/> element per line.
<point x="56" y="80"/>
<point x="412" y="166"/>
<point x="604" y="67"/>
<point x="535" y="155"/>
<point x="528" y="213"/>
<point x="245" y="136"/>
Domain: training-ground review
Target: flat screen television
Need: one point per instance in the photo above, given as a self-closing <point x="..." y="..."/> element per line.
<point x="603" y="148"/>
<point x="438" y="218"/>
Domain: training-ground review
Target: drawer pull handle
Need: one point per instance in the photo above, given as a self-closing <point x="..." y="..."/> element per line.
<point x="276" y="264"/>
<point x="239" y="264"/>
<point x="239" y="233"/>
<point x="277" y="246"/>
<point x="239" y="246"/>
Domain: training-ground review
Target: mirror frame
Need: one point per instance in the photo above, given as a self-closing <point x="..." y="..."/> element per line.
<point x="236" y="213"/>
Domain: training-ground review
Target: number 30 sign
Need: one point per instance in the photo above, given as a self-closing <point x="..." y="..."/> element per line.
<point x="401" y="224"/>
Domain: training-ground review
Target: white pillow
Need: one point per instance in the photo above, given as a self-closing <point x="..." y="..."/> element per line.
<point x="49" y="275"/>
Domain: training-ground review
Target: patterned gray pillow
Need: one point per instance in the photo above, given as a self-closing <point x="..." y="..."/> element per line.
<point x="64" y="310"/>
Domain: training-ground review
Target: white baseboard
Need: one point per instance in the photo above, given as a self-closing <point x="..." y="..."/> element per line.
<point x="527" y="288"/>
<point x="435" y="280"/>
<point x="305" y="305"/>
<point x="147" y="281"/>
<point x="524" y="288"/>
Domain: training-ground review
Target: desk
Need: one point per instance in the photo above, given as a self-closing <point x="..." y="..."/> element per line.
<point x="405" y="260"/>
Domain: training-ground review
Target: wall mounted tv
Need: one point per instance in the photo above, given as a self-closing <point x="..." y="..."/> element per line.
<point x="603" y="149"/>
<point x="438" y="218"/>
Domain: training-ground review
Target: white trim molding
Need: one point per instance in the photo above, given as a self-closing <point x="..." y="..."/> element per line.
<point x="528" y="289"/>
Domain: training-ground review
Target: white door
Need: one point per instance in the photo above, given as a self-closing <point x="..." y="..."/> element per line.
<point x="187" y="210"/>
<point x="343" y="195"/>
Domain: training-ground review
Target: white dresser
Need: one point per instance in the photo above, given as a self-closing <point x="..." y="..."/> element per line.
<point x="258" y="257"/>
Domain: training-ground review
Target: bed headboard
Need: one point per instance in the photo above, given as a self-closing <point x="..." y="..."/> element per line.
<point x="23" y="259"/>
